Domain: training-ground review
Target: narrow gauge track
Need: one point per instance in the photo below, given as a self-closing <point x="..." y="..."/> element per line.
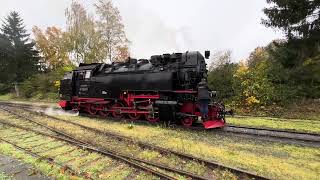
<point x="295" y="137"/>
<point x="66" y="168"/>
<point x="211" y="164"/>
<point x="128" y="159"/>
<point x="270" y="118"/>
<point x="89" y="148"/>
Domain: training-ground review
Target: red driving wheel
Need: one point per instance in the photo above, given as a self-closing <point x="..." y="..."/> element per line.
<point x="187" y="122"/>
<point x="92" y="109"/>
<point x="104" y="113"/>
<point x="134" y="116"/>
<point x="116" y="113"/>
<point x="152" y="119"/>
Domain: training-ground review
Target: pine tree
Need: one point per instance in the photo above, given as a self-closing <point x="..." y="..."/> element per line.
<point x="5" y="58"/>
<point x="299" y="19"/>
<point x="299" y="54"/>
<point x="24" y="58"/>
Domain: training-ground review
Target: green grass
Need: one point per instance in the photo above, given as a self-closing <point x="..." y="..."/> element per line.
<point x="287" y="124"/>
<point x="4" y="176"/>
<point x="6" y="97"/>
<point x="79" y="157"/>
<point x="47" y="169"/>
<point x="12" y="97"/>
<point x="125" y="148"/>
<point x="274" y="160"/>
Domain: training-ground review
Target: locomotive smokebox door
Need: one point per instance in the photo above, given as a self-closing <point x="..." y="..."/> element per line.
<point x="66" y="84"/>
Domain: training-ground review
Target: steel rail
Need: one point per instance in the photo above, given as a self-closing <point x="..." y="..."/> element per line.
<point x="175" y="170"/>
<point x="314" y="139"/>
<point x="93" y="149"/>
<point x="269" y="132"/>
<point x="274" y="130"/>
<point x="49" y="160"/>
<point x="212" y="164"/>
<point x="270" y="118"/>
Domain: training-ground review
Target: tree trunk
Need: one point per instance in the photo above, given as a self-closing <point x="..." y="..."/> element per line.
<point x="16" y="88"/>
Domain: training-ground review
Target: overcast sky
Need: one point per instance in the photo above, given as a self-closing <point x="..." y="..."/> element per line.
<point x="167" y="26"/>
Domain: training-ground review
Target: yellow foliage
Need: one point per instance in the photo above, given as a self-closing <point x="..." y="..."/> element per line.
<point x="252" y="101"/>
<point x="52" y="46"/>
<point x="242" y="70"/>
<point x="57" y="84"/>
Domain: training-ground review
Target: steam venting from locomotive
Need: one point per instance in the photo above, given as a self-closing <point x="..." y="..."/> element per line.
<point x="52" y="111"/>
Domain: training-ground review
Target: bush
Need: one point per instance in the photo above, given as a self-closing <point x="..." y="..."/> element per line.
<point x="44" y="85"/>
<point x="5" y="88"/>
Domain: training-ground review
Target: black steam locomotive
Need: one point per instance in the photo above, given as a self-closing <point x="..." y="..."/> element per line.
<point x="163" y="88"/>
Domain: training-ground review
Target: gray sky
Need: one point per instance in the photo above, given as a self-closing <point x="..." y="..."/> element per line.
<point x="166" y="26"/>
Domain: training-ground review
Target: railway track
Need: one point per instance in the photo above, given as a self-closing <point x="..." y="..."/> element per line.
<point x="51" y="161"/>
<point x="211" y="164"/>
<point x="270" y="118"/>
<point x="133" y="161"/>
<point x="89" y="146"/>
<point x="290" y="136"/>
<point x="294" y="135"/>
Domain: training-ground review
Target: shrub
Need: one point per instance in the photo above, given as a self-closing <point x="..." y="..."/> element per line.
<point x="44" y="85"/>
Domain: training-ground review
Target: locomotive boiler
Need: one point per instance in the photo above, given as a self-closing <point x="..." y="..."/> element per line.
<point x="162" y="88"/>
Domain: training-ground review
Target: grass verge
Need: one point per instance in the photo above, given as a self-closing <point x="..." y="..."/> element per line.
<point x="12" y="97"/>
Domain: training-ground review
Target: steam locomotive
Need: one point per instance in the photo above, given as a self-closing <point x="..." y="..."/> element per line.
<point x="162" y="88"/>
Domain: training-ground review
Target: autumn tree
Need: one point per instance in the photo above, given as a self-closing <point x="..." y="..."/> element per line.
<point x="122" y="53"/>
<point x="220" y="75"/>
<point x="111" y="28"/>
<point x="251" y="80"/>
<point x="52" y="45"/>
<point x="24" y="58"/>
<point x="84" y="41"/>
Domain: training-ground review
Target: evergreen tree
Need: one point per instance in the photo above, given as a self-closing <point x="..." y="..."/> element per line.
<point x="24" y="59"/>
<point x="299" y="54"/>
<point x="5" y="58"/>
<point x="297" y="18"/>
